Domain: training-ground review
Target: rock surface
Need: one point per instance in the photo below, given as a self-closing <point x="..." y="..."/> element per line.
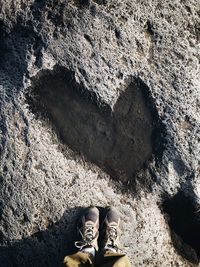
<point x="127" y="73"/>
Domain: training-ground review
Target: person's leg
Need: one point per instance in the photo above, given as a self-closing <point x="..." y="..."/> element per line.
<point x="79" y="259"/>
<point x="113" y="259"/>
<point x="89" y="231"/>
<point x="111" y="254"/>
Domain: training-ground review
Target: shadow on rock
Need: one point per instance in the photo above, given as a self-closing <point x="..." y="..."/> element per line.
<point x="43" y="248"/>
<point x="119" y="140"/>
<point x="184" y="221"/>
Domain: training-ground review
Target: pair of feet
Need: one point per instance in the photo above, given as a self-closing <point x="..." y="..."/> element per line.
<point x="91" y="232"/>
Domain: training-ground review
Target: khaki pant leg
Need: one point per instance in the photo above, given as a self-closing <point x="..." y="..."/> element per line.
<point x="78" y="259"/>
<point x="110" y="259"/>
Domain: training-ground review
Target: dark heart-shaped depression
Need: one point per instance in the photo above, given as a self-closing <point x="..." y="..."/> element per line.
<point x="119" y="140"/>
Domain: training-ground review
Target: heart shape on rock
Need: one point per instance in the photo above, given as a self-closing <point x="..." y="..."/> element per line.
<point x="119" y="140"/>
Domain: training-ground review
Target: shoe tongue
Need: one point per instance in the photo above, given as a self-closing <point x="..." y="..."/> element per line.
<point x="89" y="223"/>
<point x="112" y="224"/>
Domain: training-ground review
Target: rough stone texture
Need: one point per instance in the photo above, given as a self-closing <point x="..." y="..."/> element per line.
<point x="46" y="180"/>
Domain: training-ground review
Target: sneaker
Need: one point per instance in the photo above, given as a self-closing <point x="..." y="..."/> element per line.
<point x="88" y="229"/>
<point x="111" y="230"/>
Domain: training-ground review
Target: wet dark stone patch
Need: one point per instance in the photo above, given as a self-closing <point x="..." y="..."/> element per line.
<point x="184" y="221"/>
<point x="119" y="140"/>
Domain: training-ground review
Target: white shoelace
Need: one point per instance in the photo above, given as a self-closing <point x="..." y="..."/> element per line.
<point x="87" y="237"/>
<point x="112" y="234"/>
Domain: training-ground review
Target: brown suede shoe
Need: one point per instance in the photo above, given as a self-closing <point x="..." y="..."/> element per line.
<point x="88" y="228"/>
<point x="111" y="230"/>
